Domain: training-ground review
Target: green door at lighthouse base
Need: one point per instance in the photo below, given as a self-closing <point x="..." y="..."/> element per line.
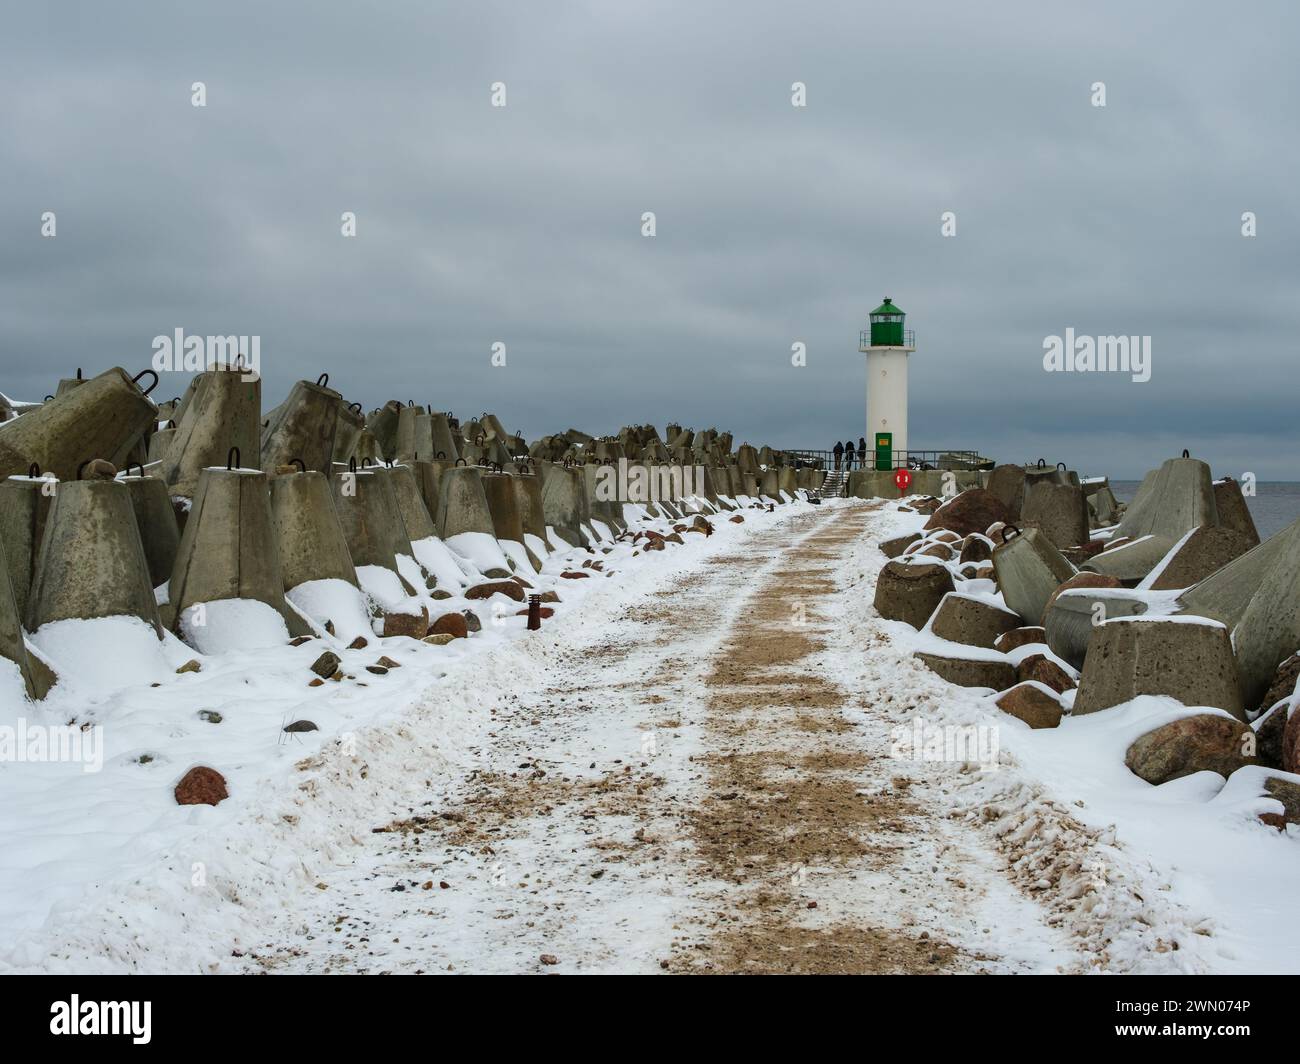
<point x="884" y="450"/>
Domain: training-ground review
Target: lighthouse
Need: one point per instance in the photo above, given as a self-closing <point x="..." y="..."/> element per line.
<point x="887" y="346"/>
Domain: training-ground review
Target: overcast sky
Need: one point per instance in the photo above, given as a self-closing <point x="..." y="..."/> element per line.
<point x="775" y="224"/>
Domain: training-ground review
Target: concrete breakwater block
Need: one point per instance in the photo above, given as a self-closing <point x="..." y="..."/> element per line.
<point x="1171" y="501"/>
<point x="1059" y="511"/>
<point x="414" y="434"/>
<point x="105" y="417"/>
<point x="91" y="561"/>
<point x="1072" y="615"/>
<point x="1233" y="512"/>
<point x="155" y="517"/>
<point x="993" y="673"/>
<point x="562" y="501"/>
<point x="1029" y="568"/>
<point x="382" y="425"/>
<point x="308" y="535"/>
<point x="462" y="504"/>
<point x="229" y="550"/>
<point x="410" y="502"/>
<point x="1202" y="552"/>
<point x="371" y="519"/>
<point x="1189" y="659"/>
<point x="37" y="677"/>
<point x="911" y="593"/>
<point x="224" y="411"/>
<point x="351" y="423"/>
<point x="302" y="428"/>
<point x="1255" y="596"/>
<point x="963" y="619"/>
<point x="24" y="508"/>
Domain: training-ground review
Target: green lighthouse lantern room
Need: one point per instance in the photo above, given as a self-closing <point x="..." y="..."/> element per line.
<point x="887" y="325"/>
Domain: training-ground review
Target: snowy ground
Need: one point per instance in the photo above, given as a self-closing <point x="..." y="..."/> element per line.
<point x="694" y="766"/>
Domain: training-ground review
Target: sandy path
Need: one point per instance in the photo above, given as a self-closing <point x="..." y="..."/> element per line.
<point x="695" y="791"/>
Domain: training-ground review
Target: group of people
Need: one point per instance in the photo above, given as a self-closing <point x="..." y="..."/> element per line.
<point x="845" y="453"/>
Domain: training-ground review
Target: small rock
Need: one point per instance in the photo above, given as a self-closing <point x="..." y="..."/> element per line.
<point x="388" y="663"/>
<point x="499" y="587"/>
<point x="441" y="639"/>
<point x="360" y="643"/>
<point x="471" y="621"/>
<point x="550" y="958"/>
<point x="210" y="715"/>
<point x="411" y="625"/>
<point x="452" y="624"/>
<point x="298" y="726"/>
<point x="378" y="670"/>
<point x="326" y="665"/>
<point x="201" y="786"/>
<point x="300" y="640"/>
<point x="190" y="666"/>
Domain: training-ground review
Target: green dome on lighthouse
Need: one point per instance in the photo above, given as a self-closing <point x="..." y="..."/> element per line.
<point x="887" y="325"/>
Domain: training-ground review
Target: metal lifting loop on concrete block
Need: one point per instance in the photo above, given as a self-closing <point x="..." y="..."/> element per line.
<point x="479" y="440"/>
<point x="302" y="466"/>
<point x="352" y="464"/>
<point x="171" y="424"/>
<point x="1186" y="453"/>
<point x="152" y="373"/>
<point x="233" y="459"/>
<point x="367" y="462"/>
<point x="47" y="398"/>
<point x="81" y="468"/>
<point x="1042" y="463"/>
<point x="441" y="455"/>
<point x="355" y="406"/>
<point x="498" y="467"/>
<point x="33" y="471"/>
<point x="78" y="373"/>
<point x="138" y="466"/>
<point x="1007" y="532"/>
<point x="323" y="380"/>
<point x="461" y="462"/>
<point x="1061" y="465"/>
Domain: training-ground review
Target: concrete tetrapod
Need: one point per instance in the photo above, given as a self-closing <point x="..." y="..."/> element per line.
<point x="1059" y="511"/>
<point x="303" y="428"/>
<point x="351" y="424"/>
<point x="228" y="551"/>
<point x="24" y="508"/>
<point x="1170" y="502"/>
<point x="1258" y="597"/>
<point x="371" y="519"/>
<point x="507" y="519"/>
<point x="308" y="534"/>
<point x="106" y="417"/>
<point x="413" y="435"/>
<point x="604" y="509"/>
<point x="319" y="577"/>
<point x="155" y="517"/>
<point x="1071" y="618"/>
<point x="562" y="501"/>
<point x="36" y="675"/>
<point x="1189" y="659"/>
<point x="532" y="513"/>
<point x="91" y="562"/>
<point x="464" y="520"/>
<point x="1028" y="570"/>
<point x="382" y="425"/>
<point x="224" y="412"/>
<point x="444" y="440"/>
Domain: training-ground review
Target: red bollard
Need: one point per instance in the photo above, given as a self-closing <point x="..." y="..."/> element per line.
<point x="534" y="612"/>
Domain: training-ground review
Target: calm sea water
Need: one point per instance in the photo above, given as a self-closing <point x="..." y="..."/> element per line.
<point x="1274" y="506"/>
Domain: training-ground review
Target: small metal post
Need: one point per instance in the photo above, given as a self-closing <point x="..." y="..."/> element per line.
<point x="534" y="612"/>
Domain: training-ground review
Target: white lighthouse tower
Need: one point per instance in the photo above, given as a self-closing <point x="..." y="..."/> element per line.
<point x="887" y="347"/>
